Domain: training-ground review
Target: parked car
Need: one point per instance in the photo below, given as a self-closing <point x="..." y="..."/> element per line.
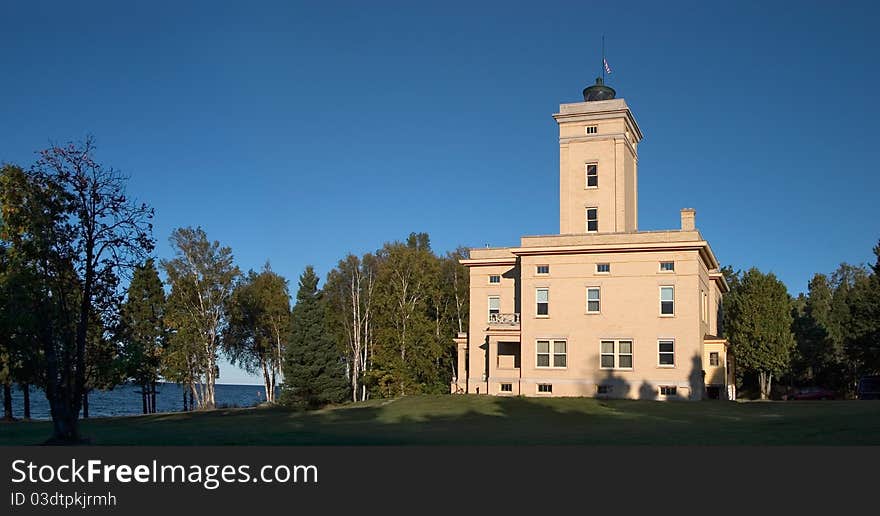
<point x="869" y="388"/>
<point x="812" y="393"/>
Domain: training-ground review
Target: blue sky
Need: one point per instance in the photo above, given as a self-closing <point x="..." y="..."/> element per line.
<point x="298" y="132"/>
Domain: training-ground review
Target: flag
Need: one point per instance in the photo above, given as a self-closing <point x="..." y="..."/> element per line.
<point x="607" y="68"/>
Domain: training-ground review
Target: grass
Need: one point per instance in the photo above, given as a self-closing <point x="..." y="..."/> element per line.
<point x="485" y="420"/>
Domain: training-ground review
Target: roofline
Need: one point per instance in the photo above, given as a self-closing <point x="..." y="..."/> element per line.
<point x="560" y="117"/>
<point x="476" y="262"/>
<point x="696" y="245"/>
<point x="719" y="278"/>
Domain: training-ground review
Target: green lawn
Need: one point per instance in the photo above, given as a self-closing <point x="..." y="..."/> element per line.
<point x="492" y="420"/>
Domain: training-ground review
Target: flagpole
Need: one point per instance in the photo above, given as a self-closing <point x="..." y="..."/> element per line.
<point x="603" y="59"/>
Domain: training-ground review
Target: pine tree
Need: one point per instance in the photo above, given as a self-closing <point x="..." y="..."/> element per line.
<point x="314" y="374"/>
<point x="143" y="331"/>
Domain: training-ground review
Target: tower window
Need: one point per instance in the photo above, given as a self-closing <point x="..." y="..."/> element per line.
<point x="592" y="129"/>
<point x="592" y="175"/>
<point x="592" y="220"/>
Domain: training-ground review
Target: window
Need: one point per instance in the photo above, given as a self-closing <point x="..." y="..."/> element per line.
<point x="494" y="278"/>
<point x="667" y="300"/>
<point x="593" y="300"/>
<point x="592" y="220"/>
<point x="666" y="353"/>
<point x="551" y="352"/>
<point x="625" y="354"/>
<point x="545" y="387"/>
<point x="542" y="269"/>
<point x="603" y="268"/>
<point x="605" y="389"/>
<point x="591" y="129"/>
<point x="704" y="306"/>
<point x="494" y="306"/>
<point x="592" y="175"/>
<point x="616" y="354"/>
<point x="714" y="359"/>
<point x="506" y="387"/>
<point x="668" y="390"/>
<point x="542" y="302"/>
<point x="667" y="266"/>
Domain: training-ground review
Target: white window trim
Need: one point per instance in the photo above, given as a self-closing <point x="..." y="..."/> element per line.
<point x="666" y="366"/>
<point x="595" y="128"/>
<point x="617" y="354"/>
<point x="501" y="387"/>
<point x="660" y="267"/>
<point x="551" y="353"/>
<point x="719" y="359"/>
<point x="587" y="176"/>
<point x="587" y="294"/>
<point x="587" y="219"/>
<point x="660" y="300"/>
<point x="603" y="272"/>
<point x="537" y="273"/>
<point x="539" y="391"/>
<point x="492" y="276"/>
<point x="489" y="306"/>
<point x="548" y="302"/>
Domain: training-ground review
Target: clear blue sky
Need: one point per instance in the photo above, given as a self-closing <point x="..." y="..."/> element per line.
<point x="297" y="133"/>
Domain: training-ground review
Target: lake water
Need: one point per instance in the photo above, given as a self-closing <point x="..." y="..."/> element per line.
<point x="125" y="400"/>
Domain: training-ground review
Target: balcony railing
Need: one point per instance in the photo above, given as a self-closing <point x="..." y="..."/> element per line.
<point x="509" y="319"/>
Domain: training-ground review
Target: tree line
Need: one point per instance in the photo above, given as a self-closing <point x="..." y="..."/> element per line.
<point x="83" y="305"/>
<point x="828" y="336"/>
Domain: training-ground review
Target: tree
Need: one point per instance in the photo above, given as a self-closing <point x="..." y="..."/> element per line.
<point x="313" y="368"/>
<point x="76" y="230"/>
<point x="349" y="296"/>
<point x="408" y="356"/>
<point x="814" y="358"/>
<point x="758" y="324"/>
<point x="142" y="331"/>
<point x="862" y="338"/>
<point x="259" y="322"/>
<point x="202" y="276"/>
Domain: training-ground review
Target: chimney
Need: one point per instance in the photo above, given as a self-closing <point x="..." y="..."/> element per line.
<point x="688" y="219"/>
